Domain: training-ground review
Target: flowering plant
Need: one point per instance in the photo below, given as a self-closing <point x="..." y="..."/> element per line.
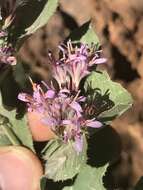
<point x="61" y="108"/>
<point x="76" y="105"/>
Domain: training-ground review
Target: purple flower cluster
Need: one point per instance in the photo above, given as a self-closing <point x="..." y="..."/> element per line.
<point x="74" y="65"/>
<point x="62" y="110"/>
<point x="6" y="51"/>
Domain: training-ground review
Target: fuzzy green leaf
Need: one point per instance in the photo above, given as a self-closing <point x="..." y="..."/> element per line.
<point x="7" y="134"/>
<point x="89" y="178"/>
<point x="30" y="15"/>
<point x="62" y="161"/>
<point x="109" y="98"/>
<point x="18" y="127"/>
<point x="3" y="138"/>
<point x="48" y="10"/>
<point x="84" y="34"/>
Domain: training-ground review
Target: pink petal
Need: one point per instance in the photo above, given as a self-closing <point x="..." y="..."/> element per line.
<point x="50" y="94"/>
<point x="94" y="124"/>
<point x="78" y="145"/>
<point x="100" y="61"/>
<point x="23" y="97"/>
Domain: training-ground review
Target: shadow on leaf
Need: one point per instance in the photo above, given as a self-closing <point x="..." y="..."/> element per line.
<point x="104" y="146"/>
<point x="22" y="21"/>
<point x="68" y="20"/>
<point x="9" y="91"/>
<point x="96" y="103"/>
<point x="60" y="185"/>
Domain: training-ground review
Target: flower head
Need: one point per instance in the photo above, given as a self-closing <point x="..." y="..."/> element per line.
<point x="61" y="108"/>
<point x="75" y="64"/>
<point x="37" y="101"/>
<point x="61" y="112"/>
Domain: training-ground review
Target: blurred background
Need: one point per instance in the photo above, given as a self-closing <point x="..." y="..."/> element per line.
<point x="119" y="25"/>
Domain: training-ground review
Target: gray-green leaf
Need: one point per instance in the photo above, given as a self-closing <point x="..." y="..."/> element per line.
<point x="29" y="17"/>
<point x="84" y="34"/>
<point x="62" y="160"/>
<point x="3" y="138"/>
<point x="17" y="126"/>
<point x="111" y="95"/>
<point x="89" y="179"/>
<point x="7" y="136"/>
<point x="48" y="10"/>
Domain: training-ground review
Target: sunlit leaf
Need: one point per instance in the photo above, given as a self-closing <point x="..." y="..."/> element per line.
<point x="18" y="126"/>
<point x="44" y="16"/>
<point x="85" y="34"/>
<point x="89" y="178"/>
<point x="110" y="97"/>
<point x="29" y="17"/>
<point x="62" y="160"/>
<point x="7" y="136"/>
<point x="3" y="138"/>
